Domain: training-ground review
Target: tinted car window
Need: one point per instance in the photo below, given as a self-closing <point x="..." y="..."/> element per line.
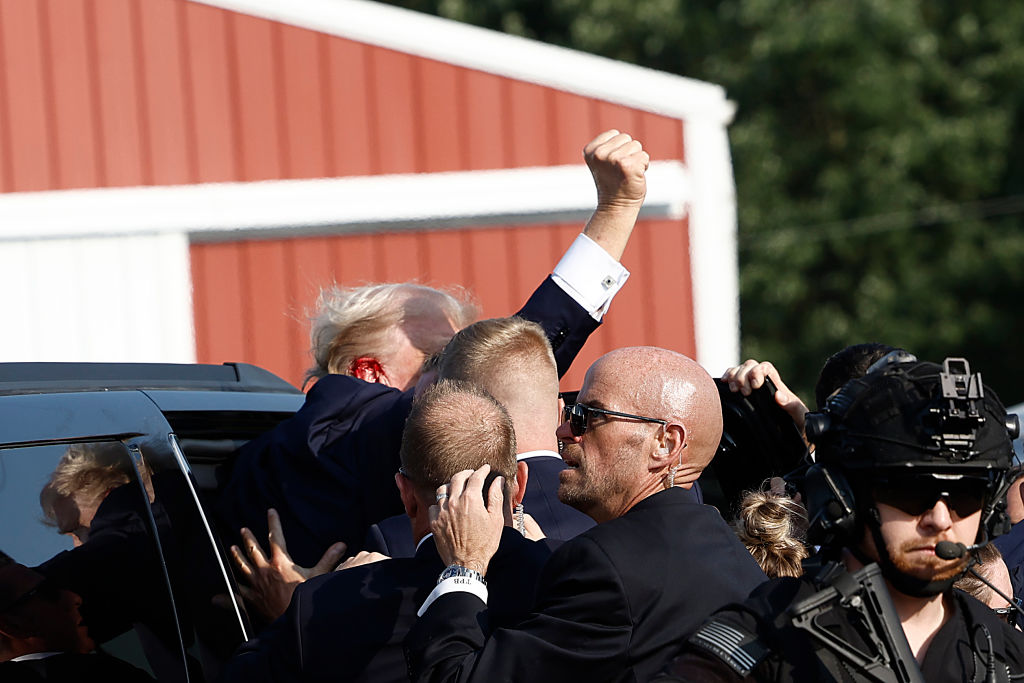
<point x="115" y="532"/>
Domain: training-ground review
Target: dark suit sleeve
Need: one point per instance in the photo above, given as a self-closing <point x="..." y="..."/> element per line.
<point x="276" y="655"/>
<point x="580" y="630"/>
<point x="375" y="541"/>
<point x="566" y="323"/>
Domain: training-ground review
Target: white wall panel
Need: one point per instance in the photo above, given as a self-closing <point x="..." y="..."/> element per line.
<point x="122" y="299"/>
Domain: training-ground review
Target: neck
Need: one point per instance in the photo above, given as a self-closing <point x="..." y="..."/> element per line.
<point x="655" y="485"/>
<point x="921" y="618"/>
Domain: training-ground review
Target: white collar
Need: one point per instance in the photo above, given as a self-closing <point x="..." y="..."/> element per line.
<point x="35" y="655"/>
<point x="536" y="454"/>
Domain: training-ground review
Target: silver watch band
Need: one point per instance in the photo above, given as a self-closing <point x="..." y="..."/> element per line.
<point x="458" y="571"/>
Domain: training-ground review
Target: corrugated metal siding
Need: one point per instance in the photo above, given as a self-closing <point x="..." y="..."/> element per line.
<point x="256" y="293"/>
<point x="96" y="299"/>
<point x="141" y="92"/>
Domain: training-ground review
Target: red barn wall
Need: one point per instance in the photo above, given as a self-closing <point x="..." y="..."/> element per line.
<point x="163" y="92"/>
<point x="256" y="292"/>
<point x="144" y="92"/>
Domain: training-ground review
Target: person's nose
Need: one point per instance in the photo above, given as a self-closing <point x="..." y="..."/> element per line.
<point x="564" y="433"/>
<point x="938" y="517"/>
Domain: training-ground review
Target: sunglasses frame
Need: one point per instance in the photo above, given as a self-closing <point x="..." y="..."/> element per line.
<point x="937" y="490"/>
<point x="569" y="412"/>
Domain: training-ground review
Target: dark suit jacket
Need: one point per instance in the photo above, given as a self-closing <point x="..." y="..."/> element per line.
<point x="349" y="625"/>
<point x="70" y="667"/>
<point x="612" y="603"/>
<point x="393" y="536"/>
<point x="329" y="469"/>
<point x="560" y="522"/>
<point x="1011" y="545"/>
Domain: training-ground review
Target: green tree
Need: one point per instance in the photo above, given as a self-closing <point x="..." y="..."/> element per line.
<point x="877" y="153"/>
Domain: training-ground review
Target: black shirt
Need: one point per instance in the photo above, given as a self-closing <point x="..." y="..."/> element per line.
<point x="756" y="640"/>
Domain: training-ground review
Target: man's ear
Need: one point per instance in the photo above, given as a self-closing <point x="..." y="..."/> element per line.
<point x="407" y="491"/>
<point x="522" y="475"/>
<point x="669" y="448"/>
<point x="368" y="369"/>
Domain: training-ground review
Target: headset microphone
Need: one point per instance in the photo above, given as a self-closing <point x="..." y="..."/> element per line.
<point x="948" y="550"/>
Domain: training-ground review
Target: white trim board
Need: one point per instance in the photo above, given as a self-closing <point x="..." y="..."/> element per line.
<point x="330" y="205"/>
<point x="498" y="53"/>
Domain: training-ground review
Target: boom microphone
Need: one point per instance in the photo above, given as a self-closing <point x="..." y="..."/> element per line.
<point x="948" y="550"/>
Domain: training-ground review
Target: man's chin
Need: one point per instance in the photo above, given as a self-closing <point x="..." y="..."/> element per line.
<point x="929" y="569"/>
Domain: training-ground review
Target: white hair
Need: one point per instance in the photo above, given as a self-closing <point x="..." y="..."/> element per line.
<point x="350" y="322"/>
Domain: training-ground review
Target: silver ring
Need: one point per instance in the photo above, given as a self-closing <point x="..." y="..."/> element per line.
<point x="441" y="496"/>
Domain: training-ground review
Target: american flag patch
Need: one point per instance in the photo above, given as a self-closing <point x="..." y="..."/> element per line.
<point x="740" y="650"/>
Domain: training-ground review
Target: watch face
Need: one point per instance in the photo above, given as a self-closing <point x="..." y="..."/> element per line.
<point x="458" y="571"/>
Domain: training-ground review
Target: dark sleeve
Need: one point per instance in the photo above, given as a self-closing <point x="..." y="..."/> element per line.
<point x="375" y="541"/>
<point x="580" y="630"/>
<point x="697" y="666"/>
<point x="566" y="323"/>
<point x="274" y="656"/>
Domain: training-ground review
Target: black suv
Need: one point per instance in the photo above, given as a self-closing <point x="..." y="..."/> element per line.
<point x="107" y="472"/>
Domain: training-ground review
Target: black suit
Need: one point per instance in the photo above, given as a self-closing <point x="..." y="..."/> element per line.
<point x="68" y="667"/>
<point x="611" y="603"/>
<point x="329" y="469"/>
<point x="349" y="625"/>
<point x="560" y="522"/>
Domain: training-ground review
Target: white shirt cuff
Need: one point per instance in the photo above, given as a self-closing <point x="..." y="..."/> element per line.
<point x="590" y="275"/>
<point x="455" y="583"/>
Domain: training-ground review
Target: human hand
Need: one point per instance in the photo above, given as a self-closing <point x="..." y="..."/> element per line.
<point x="361" y="558"/>
<point x="273" y="580"/>
<point x="533" y="530"/>
<point x="751" y="375"/>
<point x="465" y="531"/>
<point x="618" y="164"/>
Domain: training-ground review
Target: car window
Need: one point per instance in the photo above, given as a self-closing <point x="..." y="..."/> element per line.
<point x="113" y="533"/>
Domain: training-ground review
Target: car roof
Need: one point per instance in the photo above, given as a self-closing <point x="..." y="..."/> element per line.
<point x="36" y="378"/>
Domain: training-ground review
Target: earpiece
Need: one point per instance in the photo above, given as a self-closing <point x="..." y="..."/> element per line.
<point x="830" y="504"/>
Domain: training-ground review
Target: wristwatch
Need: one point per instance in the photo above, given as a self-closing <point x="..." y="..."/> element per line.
<point x="458" y="571"/>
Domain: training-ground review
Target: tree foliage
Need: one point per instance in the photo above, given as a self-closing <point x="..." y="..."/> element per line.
<point x="878" y="157"/>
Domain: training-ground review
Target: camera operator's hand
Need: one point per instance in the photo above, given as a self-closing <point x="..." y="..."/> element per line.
<point x="750" y="375"/>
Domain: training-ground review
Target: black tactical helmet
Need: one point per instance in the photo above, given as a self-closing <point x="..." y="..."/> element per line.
<point x="915" y="415"/>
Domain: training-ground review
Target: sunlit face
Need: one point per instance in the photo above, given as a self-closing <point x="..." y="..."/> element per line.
<point x="911" y="539"/>
<point x="412" y="343"/>
<point x="606" y="462"/>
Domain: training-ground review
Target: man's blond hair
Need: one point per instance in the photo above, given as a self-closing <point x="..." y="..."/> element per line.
<point x="456" y="426"/>
<point x="351" y="322"/>
<point x="509" y="357"/>
<point x="86" y="472"/>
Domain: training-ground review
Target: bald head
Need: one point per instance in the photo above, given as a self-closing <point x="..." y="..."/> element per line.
<point x="653" y="421"/>
<point x="668" y="385"/>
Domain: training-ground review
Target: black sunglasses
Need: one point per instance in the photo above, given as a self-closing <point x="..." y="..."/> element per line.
<point x="578" y="417"/>
<point x="916" y="495"/>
